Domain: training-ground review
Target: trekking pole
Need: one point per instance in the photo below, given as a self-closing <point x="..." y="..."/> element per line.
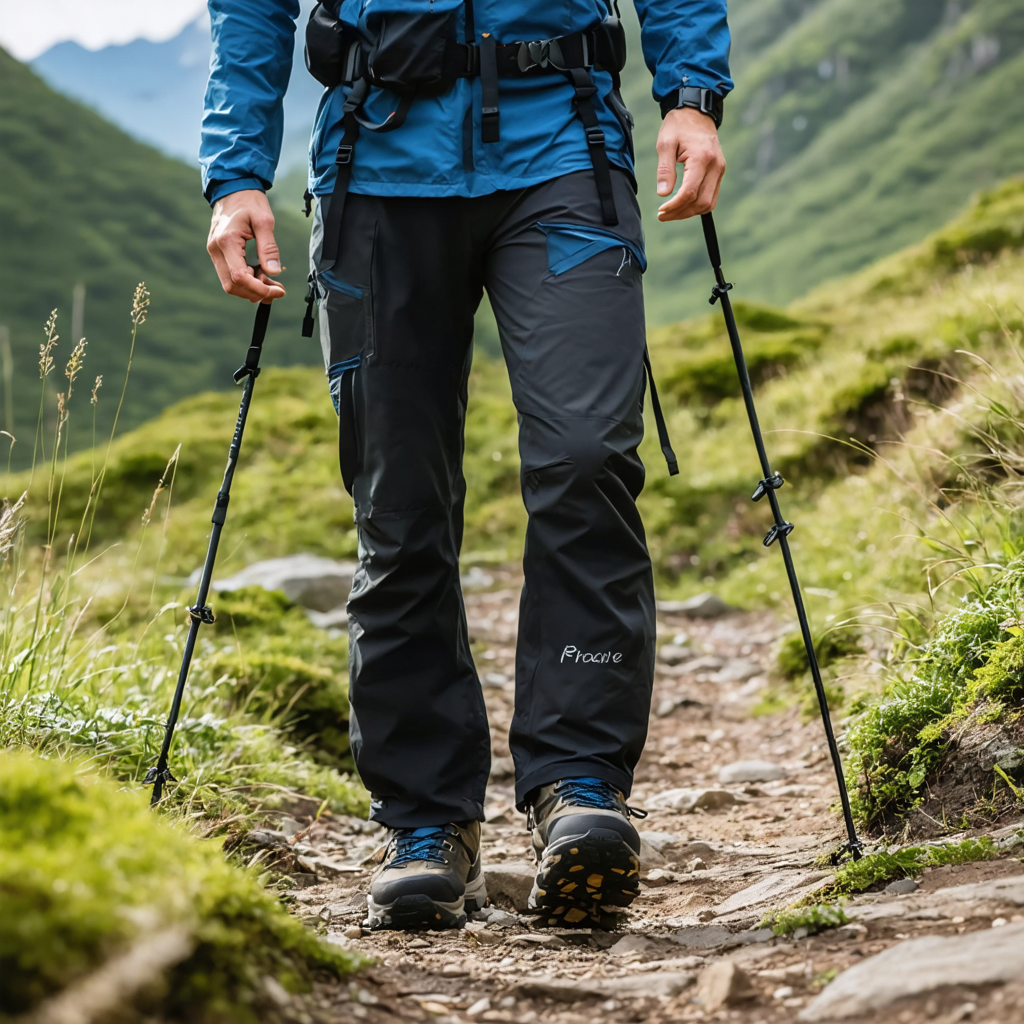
<point x="200" y="612"/>
<point x="780" y="529"/>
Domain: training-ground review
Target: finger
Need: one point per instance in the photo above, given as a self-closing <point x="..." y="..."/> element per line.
<point x="266" y="244"/>
<point x="277" y="290"/>
<point x="681" y="205"/>
<point x="667" y="159"/>
<point x="243" y="281"/>
<point x="705" y="201"/>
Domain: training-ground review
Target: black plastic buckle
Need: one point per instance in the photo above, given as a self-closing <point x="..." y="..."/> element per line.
<point x="595" y="137"/>
<point x="344" y="154"/>
<point x="705" y="101"/>
<point x="202" y="614"/>
<point x="149" y="779"/>
<point x="771" y="483"/>
<point x="778" y="530"/>
<point x="718" y="291"/>
<point x="245" y="371"/>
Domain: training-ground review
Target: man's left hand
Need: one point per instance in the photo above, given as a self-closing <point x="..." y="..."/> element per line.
<point x="689" y="137"/>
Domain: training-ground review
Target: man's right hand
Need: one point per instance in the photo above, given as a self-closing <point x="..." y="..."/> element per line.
<point x="237" y="218"/>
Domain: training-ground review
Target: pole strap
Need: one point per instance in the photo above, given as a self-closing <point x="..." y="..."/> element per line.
<point x="659" y="419"/>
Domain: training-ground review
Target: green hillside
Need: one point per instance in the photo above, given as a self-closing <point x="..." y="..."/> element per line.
<point x="81" y="202"/>
<point x="856" y="127"/>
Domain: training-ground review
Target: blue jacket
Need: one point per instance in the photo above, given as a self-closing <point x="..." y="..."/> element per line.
<point x="685" y="42"/>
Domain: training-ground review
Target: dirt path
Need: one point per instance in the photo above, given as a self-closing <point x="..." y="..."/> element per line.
<point x="690" y="948"/>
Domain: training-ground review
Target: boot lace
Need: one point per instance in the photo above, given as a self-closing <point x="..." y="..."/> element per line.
<point x="597" y="793"/>
<point x="419" y="844"/>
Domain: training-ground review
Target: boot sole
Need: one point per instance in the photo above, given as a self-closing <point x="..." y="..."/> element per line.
<point x="582" y="879"/>
<point x="420" y="913"/>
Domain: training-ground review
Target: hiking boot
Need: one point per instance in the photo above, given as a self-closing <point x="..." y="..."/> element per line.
<point x="588" y="853"/>
<point x="430" y="878"/>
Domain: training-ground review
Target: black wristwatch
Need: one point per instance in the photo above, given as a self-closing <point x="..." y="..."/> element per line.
<point x="707" y="101"/>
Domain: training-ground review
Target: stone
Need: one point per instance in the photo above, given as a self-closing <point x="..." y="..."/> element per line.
<point x="673" y="654"/>
<point x="649" y="855"/>
<point x="336" y="618"/>
<point x="739" y="670"/>
<point x="480" y="1006"/>
<point x="489" y="938"/>
<point x="919" y="966"/>
<point x="502" y="768"/>
<point x="657" y="840"/>
<point x="723" y="984"/>
<point x="540" y="940"/>
<point x="750" y="771"/>
<point x="696" y="864"/>
<point x="454" y="971"/>
<point x="513" y="881"/>
<point x="660" y="984"/>
<point x="703" y="606"/>
<point x="307" y="580"/>
<point x="788" y="884"/>
<point x="657" y="877"/>
<point x="1005" y="890"/>
<point x="706" y="663"/>
<point x="476" y="578"/>
<point x="630" y="944"/>
<point x="350" y="907"/>
<point x="902" y="886"/>
<point x="703" y="936"/>
<point x="353" y="931"/>
<point x="687" y="800"/>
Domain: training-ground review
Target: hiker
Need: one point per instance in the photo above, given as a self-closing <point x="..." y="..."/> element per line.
<point x="464" y="145"/>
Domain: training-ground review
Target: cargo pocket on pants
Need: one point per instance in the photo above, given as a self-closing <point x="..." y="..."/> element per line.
<point x="347" y="342"/>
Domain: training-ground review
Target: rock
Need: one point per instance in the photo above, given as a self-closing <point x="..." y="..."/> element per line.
<point x="706" y="663"/>
<point x="657" y="840"/>
<point x="540" y="940"/>
<point x="703" y="936"/>
<point x="476" y="579"/>
<point x="669" y="704"/>
<point x="657" y="877"/>
<point x="495" y="679"/>
<point x="739" y="670"/>
<point x="902" y="886"/>
<point x="850" y="931"/>
<point x="703" y="606"/>
<point x="489" y="938"/>
<point x="693" y="799"/>
<point x="513" y="881"/>
<point x="353" y="931"/>
<point x="788" y="884"/>
<point x="480" y="1006"/>
<point x="723" y="984"/>
<point x="355" y="904"/>
<point x="308" y="580"/>
<point x="267" y="838"/>
<point x="659" y="984"/>
<point x="696" y="864"/>
<point x="649" y="856"/>
<point x="336" y="618"/>
<point x="454" y="971"/>
<point x="630" y="944"/>
<point x="918" y="966"/>
<point x="750" y="771"/>
<point x="673" y="654"/>
<point x="502" y="768"/>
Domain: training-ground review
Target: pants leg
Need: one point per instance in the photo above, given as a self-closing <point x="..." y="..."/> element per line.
<point x="571" y="319"/>
<point x="396" y="327"/>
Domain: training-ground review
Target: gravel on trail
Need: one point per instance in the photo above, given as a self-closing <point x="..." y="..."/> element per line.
<point x="740" y="824"/>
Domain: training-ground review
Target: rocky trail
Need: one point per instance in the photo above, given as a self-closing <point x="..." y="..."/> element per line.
<point x="738" y="826"/>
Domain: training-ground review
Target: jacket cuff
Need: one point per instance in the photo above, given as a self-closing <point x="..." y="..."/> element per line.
<point x="219" y="189"/>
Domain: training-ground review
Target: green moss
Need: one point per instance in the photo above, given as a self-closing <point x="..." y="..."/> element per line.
<point x="88" y="870"/>
<point x="970" y="664"/>
<point x="807" y="920"/>
<point x="880" y="868"/>
<point x="831" y="646"/>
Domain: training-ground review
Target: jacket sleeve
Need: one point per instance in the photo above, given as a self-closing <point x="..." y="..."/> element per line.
<point x="243" y="115"/>
<point x="685" y="42"/>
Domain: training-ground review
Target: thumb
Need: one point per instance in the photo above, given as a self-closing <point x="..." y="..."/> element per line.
<point x="666" y="168"/>
<point x="266" y="245"/>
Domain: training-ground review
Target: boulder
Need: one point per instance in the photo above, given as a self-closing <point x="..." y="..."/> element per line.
<point x="919" y="966"/>
<point x="703" y="606"/>
<point x="308" y="580"/>
<point x="750" y="771"/>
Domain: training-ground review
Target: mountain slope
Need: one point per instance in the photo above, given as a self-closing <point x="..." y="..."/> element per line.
<point x="856" y="127"/>
<point x="81" y="202"/>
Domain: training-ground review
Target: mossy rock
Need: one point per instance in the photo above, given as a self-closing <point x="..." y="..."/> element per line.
<point x="89" y="872"/>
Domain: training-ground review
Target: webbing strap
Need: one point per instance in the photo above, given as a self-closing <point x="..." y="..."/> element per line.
<point x="659" y="419"/>
<point x="489" y="131"/>
<point x="585" y="91"/>
<point x="332" y="223"/>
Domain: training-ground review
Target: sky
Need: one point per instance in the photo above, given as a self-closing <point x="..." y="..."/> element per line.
<point x="28" y="27"/>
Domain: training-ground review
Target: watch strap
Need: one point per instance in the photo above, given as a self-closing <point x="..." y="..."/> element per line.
<point x="707" y="101"/>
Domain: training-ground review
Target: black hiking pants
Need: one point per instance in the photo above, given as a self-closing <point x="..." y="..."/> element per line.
<point x="396" y="321"/>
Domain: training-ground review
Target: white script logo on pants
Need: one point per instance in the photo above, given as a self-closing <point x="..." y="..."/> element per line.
<point x="578" y="657"/>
